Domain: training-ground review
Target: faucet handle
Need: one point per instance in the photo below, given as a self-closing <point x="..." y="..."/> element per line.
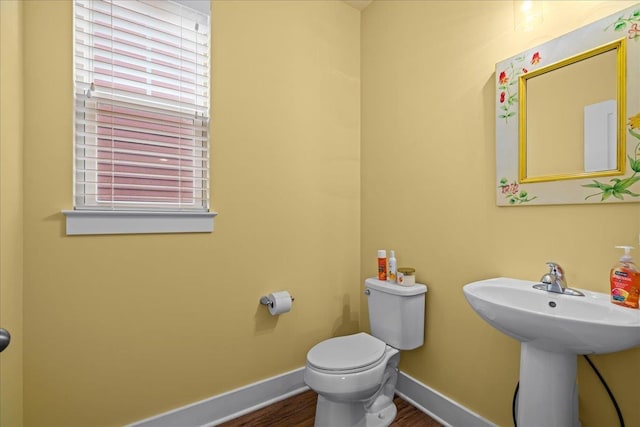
<point x="553" y="265"/>
<point x="549" y="277"/>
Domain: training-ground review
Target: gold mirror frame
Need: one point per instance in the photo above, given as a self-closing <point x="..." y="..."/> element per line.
<point x="621" y="83"/>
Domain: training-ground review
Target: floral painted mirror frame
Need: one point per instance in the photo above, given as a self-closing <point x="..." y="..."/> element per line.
<point x="622" y="188"/>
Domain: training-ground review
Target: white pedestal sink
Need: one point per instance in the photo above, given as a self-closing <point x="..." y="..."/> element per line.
<point x="553" y="329"/>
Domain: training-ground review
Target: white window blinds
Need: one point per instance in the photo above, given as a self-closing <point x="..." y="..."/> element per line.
<point x="141" y="105"/>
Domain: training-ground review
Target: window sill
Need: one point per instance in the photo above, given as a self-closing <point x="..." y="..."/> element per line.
<point x="80" y="222"/>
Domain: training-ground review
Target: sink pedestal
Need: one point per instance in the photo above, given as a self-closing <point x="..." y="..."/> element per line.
<point x="548" y="394"/>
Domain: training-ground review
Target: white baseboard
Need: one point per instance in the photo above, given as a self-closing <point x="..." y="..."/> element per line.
<point x="235" y="403"/>
<point x="436" y="405"/>
<point x="224" y="407"/>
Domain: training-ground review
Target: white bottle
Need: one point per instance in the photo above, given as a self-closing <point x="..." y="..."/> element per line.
<point x="393" y="267"/>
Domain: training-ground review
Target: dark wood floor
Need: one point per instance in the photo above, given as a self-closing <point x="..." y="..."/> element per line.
<point x="299" y="411"/>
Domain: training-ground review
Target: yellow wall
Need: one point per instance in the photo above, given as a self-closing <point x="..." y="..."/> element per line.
<point x="11" y="238"/>
<point x="119" y="328"/>
<point x="428" y="191"/>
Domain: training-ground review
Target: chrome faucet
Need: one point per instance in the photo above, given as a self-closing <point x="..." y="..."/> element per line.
<point x="555" y="281"/>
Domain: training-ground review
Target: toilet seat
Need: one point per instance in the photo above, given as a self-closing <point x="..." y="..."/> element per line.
<point x="349" y="354"/>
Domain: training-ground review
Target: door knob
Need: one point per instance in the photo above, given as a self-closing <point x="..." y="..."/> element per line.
<point x="5" y="339"/>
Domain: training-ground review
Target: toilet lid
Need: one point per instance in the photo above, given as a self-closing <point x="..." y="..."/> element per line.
<point x="347" y="353"/>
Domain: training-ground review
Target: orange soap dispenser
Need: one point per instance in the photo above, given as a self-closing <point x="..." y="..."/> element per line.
<point x="625" y="281"/>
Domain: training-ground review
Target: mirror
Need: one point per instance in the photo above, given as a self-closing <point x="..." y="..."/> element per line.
<point x="568" y="117"/>
<point x="589" y="121"/>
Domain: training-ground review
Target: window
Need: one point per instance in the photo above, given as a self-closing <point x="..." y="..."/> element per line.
<point x="141" y="108"/>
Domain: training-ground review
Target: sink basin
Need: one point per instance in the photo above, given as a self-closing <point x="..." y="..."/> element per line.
<point x="553" y="329"/>
<point x="555" y="322"/>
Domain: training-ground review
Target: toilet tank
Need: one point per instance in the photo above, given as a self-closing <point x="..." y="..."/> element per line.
<point x="396" y="313"/>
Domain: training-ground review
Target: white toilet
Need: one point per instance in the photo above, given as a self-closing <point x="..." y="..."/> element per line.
<point x="355" y="376"/>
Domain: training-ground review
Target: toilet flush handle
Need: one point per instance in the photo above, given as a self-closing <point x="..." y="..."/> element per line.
<point x="367" y="292"/>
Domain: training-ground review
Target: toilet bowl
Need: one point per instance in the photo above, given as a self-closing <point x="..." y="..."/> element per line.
<point x="355" y="378"/>
<point x="355" y="375"/>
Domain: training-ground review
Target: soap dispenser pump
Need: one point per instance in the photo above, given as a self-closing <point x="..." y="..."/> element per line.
<point x="625" y="281"/>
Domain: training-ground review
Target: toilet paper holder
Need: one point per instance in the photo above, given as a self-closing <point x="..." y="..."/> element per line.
<point x="265" y="300"/>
